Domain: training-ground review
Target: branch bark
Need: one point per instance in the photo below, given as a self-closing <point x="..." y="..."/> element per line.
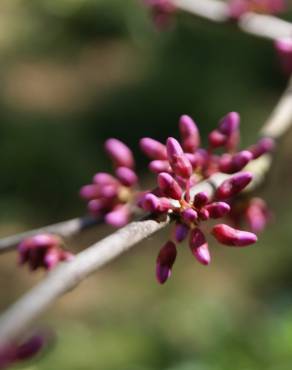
<point x="264" y="26"/>
<point x="65" y="229"/>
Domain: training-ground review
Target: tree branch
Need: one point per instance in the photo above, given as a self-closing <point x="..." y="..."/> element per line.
<point x="65" y="229"/>
<point x="264" y="26"/>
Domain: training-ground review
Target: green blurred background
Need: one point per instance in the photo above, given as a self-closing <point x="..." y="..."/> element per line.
<point x="75" y="72"/>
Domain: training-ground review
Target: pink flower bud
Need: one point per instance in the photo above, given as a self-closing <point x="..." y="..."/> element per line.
<point x="89" y="192"/>
<point x="229" y="123"/>
<point x="199" y="247"/>
<point x="218" y="209"/>
<point x="165" y="261"/>
<point x="233" y="163"/>
<point x="127" y="176"/>
<point x="169" y="186"/>
<point x="30" y="347"/>
<point x="120" y="154"/>
<point x="203" y="214"/>
<point x="257" y="215"/>
<point x="97" y="206"/>
<point x="189" y="133"/>
<point x="51" y="259"/>
<point x="233" y="185"/>
<point x="216" y="139"/>
<point x="201" y="199"/>
<point x="189" y="215"/>
<point x="284" y="49"/>
<point x="233" y="237"/>
<point x="108" y="191"/>
<point x="263" y="146"/>
<point x="153" y="148"/>
<point x="119" y="217"/>
<point x="103" y="178"/>
<point x="151" y="203"/>
<point x="178" y="161"/>
<point x="180" y="232"/>
<point x="158" y="166"/>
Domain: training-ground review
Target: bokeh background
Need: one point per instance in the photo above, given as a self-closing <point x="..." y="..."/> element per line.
<point x="75" y="72"/>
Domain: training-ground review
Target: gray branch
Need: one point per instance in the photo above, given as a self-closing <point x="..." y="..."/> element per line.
<point x="65" y="229"/>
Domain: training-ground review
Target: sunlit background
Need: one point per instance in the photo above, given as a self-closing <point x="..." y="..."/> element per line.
<point x="75" y="72"/>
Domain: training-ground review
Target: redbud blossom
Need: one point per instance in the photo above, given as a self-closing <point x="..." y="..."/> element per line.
<point x="14" y="353"/>
<point x="189" y="134"/>
<point x="42" y="250"/>
<point x="257" y="215"/>
<point x="218" y="209"/>
<point x="233" y="237"/>
<point x="181" y="231"/>
<point x="158" y="166"/>
<point x="263" y="146"/>
<point x="120" y="154"/>
<point x="169" y="186"/>
<point x="284" y="50"/>
<point x="178" y="161"/>
<point x="229" y="163"/>
<point x="233" y="185"/>
<point x="153" y="148"/>
<point x="199" y="247"/>
<point x="126" y="176"/>
<point x="165" y="261"/>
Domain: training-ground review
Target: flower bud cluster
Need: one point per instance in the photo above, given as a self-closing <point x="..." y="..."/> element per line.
<point x="181" y="165"/>
<point x="113" y="197"/>
<point x="42" y="251"/>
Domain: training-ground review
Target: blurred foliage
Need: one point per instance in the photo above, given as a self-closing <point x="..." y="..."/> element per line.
<point x="74" y="72"/>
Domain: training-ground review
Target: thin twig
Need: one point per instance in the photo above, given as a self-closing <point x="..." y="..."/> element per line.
<point x="65" y="229"/>
<point x="265" y="26"/>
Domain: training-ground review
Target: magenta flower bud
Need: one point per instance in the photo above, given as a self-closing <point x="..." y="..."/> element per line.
<point x="232" y="237"/>
<point x="189" y="133"/>
<point x="257" y="215"/>
<point x="203" y="214"/>
<point x="151" y="203"/>
<point x="119" y="216"/>
<point x="233" y="163"/>
<point x="165" y="261"/>
<point x="30" y="347"/>
<point x="284" y="49"/>
<point x="201" y="199"/>
<point x="180" y="232"/>
<point x="218" y="209"/>
<point x="233" y="185"/>
<point x="51" y="259"/>
<point x="263" y="146"/>
<point x="189" y="215"/>
<point x="158" y="166"/>
<point x="103" y="178"/>
<point x="127" y="176"/>
<point x="229" y="123"/>
<point x="153" y="148"/>
<point x="109" y="191"/>
<point x="169" y="186"/>
<point x="178" y="161"/>
<point x="89" y="192"/>
<point x="120" y="154"/>
<point x="199" y="247"/>
<point x="216" y="139"/>
<point x="97" y="206"/>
